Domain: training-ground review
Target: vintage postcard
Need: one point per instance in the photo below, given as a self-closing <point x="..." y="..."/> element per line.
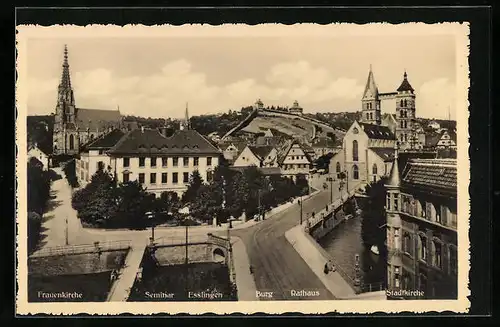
<point x="251" y="169"/>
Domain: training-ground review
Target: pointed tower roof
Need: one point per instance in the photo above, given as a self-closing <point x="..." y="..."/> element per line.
<point x="371" y="89"/>
<point x="394" y="179"/>
<point x="186" y="117"/>
<point x="405" y="85"/>
<point x="65" y="77"/>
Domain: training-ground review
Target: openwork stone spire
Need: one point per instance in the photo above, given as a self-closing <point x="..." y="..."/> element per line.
<point x="65" y="78"/>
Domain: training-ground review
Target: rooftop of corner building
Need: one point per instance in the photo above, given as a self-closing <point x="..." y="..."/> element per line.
<point x="152" y="141"/>
<point x="431" y="173"/>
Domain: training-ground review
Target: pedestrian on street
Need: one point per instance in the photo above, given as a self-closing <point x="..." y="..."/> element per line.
<point x="326" y="269"/>
<point x="332" y="266"/>
<point x="251" y="269"/>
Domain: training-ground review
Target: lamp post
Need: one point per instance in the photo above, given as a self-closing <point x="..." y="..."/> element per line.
<point x="300" y="203"/>
<point x="67" y="238"/>
<point x="151" y="216"/>
<point x="330" y="179"/>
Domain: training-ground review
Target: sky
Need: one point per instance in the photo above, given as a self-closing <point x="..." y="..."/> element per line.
<point x="157" y="75"/>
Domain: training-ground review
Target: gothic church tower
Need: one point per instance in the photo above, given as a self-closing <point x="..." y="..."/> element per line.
<point x="65" y="136"/>
<point x="370" y="112"/>
<point x="405" y="114"/>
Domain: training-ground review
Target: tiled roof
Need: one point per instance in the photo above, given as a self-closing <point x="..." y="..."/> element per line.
<point x="151" y="141"/>
<point x="431" y="174"/>
<point x="387" y="154"/>
<point x="95" y="119"/>
<point x="260" y="151"/>
<point x="106" y="141"/>
<point x="378" y="132"/>
<point x="405" y="85"/>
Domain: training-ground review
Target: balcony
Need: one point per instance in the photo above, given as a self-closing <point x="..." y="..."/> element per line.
<point x="412" y="212"/>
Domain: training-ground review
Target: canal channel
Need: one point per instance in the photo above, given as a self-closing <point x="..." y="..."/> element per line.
<point x="344" y="243"/>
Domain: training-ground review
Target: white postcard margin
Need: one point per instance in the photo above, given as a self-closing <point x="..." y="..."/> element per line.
<point x="461" y="305"/>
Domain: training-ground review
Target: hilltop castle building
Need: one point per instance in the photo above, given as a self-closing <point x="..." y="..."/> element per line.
<point x="74" y="126"/>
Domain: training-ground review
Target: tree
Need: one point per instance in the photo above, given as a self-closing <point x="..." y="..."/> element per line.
<point x="132" y="204"/>
<point x="70" y="172"/>
<point x="34" y="231"/>
<point x="195" y="182"/>
<point x="167" y="206"/>
<point x="372" y="231"/>
<point x="332" y="136"/>
<point x="96" y="203"/>
<point x="38" y="187"/>
<point x="302" y="184"/>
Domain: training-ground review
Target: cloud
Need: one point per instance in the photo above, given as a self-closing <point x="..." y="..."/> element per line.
<point x="165" y="92"/>
<point x="435" y="97"/>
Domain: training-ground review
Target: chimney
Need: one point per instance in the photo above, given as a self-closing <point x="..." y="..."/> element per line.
<point x="142" y="129"/>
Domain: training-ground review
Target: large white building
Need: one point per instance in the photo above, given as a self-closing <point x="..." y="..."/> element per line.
<point x="160" y="162"/>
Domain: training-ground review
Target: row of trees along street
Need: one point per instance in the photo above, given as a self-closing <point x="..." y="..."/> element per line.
<point x="106" y="203"/>
<point x="38" y="184"/>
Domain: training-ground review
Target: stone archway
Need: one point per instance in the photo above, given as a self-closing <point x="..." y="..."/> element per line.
<point x="218" y="255"/>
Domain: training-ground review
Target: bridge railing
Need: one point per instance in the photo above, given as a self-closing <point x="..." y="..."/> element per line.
<point x="82" y="248"/>
<point x="318" y="217"/>
<point x="180" y="240"/>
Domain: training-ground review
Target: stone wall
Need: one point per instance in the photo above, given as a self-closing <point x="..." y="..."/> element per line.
<point x="70" y="264"/>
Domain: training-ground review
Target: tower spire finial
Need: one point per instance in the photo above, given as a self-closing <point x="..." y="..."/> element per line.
<point x="65" y="77"/>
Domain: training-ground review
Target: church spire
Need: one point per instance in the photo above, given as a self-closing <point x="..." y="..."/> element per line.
<point x="394" y="179"/>
<point x="65" y="77"/>
<point x="371" y="90"/>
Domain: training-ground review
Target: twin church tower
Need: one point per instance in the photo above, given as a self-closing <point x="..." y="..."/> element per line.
<point x="404" y="129"/>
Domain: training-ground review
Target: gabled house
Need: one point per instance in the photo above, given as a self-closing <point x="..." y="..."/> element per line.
<point x="35" y="152"/>
<point x="259" y="156"/>
<point x="294" y="159"/>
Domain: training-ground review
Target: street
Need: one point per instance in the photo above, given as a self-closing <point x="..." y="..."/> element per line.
<point x="278" y="268"/>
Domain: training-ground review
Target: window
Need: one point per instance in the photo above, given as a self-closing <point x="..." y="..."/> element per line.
<point x="396" y="202"/>
<point x="152" y="178"/>
<point x="196" y="161"/>
<point x="185" y="178"/>
<point x="406" y="136"/>
<point x="141" y="178"/>
<point x="185" y="161"/>
<point x="209" y="161"/>
<point x="436" y="255"/>
<point x="164" y="177"/>
<point x="355" y="172"/>
<point x="401" y="103"/>
<point x="71" y="142"/>
<point x="153" y="161"/>
<point x="164" y="162"/>
<point x="142" y="161"/>
<point x="401" y="123"/>
<point x="338" y="167"/>
<point x="126" y="162"/>
<point x="367" y="116"/>
<point x="175" y="161"/>
<point x="430" y="211"/>
<point x="396" y="239"/>
<point x="405" y="103"/>
<point x="374" y="169"/>
<point x="407" y="246"/>
<point x="453" y="260"/>
<point x="422" y="245"/>
<point x="175" y="178"/>
<point x="355" y="150"/>
<point x="396" y="276"/>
